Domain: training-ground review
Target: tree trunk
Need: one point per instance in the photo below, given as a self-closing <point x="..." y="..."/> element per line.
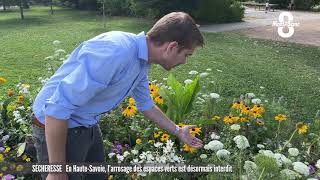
<point x="104" y="15"/>
<point x="51" y="7"/>
<point x="21" y="10"/>
<point x="4" y="5"/>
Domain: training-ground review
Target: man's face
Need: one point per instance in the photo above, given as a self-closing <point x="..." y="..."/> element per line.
<point x="173" y="57"/>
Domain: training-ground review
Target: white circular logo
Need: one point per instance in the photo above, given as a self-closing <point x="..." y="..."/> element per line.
<point x="282" y="24"/>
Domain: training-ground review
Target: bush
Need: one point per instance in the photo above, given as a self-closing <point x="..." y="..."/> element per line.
<point x="117" y="7"/>
<point x="304" y="4"/>
<point x="219" y="11"/>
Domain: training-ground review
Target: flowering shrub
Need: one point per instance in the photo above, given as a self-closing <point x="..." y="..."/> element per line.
<point x="253" y="134"/>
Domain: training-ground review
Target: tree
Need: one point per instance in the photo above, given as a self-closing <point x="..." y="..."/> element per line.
<point x="21" y="9"/>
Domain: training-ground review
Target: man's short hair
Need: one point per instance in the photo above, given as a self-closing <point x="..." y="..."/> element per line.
<point x="176" y="26"/>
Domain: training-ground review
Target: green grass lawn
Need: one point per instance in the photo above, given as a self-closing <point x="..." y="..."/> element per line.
<point x="288" y="70"/>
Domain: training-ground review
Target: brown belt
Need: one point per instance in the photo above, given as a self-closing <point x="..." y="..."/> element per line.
<point x="37" y="123"/>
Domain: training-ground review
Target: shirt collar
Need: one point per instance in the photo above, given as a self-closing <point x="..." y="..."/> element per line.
<point x="142" y="46"/>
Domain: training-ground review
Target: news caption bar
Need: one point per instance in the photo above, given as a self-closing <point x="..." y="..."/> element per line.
<point x="91" y="168"/>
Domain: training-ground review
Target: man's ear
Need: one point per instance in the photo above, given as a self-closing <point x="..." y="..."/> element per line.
<point x="172" y="45"/>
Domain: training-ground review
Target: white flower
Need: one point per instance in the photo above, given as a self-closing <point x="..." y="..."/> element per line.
<point x="165" y="79"/>
<point x="241" y="141"/>
<point x="223" y="154"/>
<point x="214" y="136"/>
<point x="125" y="154"/>
<point x="214" y="145"/>
<point x="203" y="156"/>
<point x="282" y="159"/>
<point x="205" y="96"/>
<point x="56" y="42"/>
<point x="188" y="81"/>
<point x="111" y="155"/>
<point x="235" y="127"/>
<point x="267" y="153"/>
<point x="261" y="87"/>
<point x="60" y="51"/>
<point x="250" y="168"/>
<point x="256" y="101"/>
<point x="204" y="74"/>
<point x="120" y="157"/>
<point x="193" y="72"/>
<point x="250" y="95"/>
<point x="158" y="144"/>
<point x="219" y="70"/>
<point x="135" y="152"/>
<point x="301" y="168"/>
<point x="318" y="164"/>
<point x="135" y="161"/>
<point x="289" y="174"/>
<point x="208" y="69"/>
<point x="214" y="95"/>
<point x="293" y="151"/>
<point x="260" y="146"/>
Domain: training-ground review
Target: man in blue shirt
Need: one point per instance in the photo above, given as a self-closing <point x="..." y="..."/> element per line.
<point x="96" y="78"/>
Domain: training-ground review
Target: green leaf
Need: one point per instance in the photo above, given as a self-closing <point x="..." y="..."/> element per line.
<point x="21" y="148"/>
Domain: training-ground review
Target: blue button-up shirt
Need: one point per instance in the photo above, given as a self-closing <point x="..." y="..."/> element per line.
<point x="97" y="77"/>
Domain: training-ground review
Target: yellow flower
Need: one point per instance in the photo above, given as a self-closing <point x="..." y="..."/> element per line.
<point x="7" y="150"/>
<point x="181" y="125"/>
<point x="245" y="110"/>
<point x="280" y="117"/>
<point x="228" y="120"/>
<point x="129" y="111"/>
<point x="235" y="119"/>
<point x="237" y="105"/>
<point x="4" y="168"/>
<point x="194" y="131"/>
<point x="188" y="148"/>
<point x="258" y="108"/>
<point x="151" y="141"/>
<point x="216" y="118"/>
<point x="1" y="158"/>
<point x="154" y="90"/>
<point x="156" y="135"/>
<point x="254" y="113"/>
<point x="2" y="80"/>
<point x="244" y="119"/>
<point x="1" y="174"/>
<point x="165" y="137"/>
<point x="260" y="122"/>
<point x="11" y="107"/>
<point x="20" y="99"/>
<point x="10" y="92"/>
<point x="24" y="157"/>
<point x="138" y="141"/>
<point x="159" y="100"/>
<point x="132" y="102"/>
<point x="19" y="168"/>
<point x="28" y="160"/>
<point x="302" y="128"/>
<point x="110" y="177"/>
<point x="25" y="86"/>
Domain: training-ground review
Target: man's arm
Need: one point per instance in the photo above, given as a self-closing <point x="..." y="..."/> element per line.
<point x="157" y="116"/>
<point x="56" y="137"/>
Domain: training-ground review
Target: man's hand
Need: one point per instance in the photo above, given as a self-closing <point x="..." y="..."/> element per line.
<point x="185" y="136"/>
<point x="57" y="176"/>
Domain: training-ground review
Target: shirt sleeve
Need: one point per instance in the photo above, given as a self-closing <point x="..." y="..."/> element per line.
<point x="98" y="63"/>
<point x="141" y="95"/>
